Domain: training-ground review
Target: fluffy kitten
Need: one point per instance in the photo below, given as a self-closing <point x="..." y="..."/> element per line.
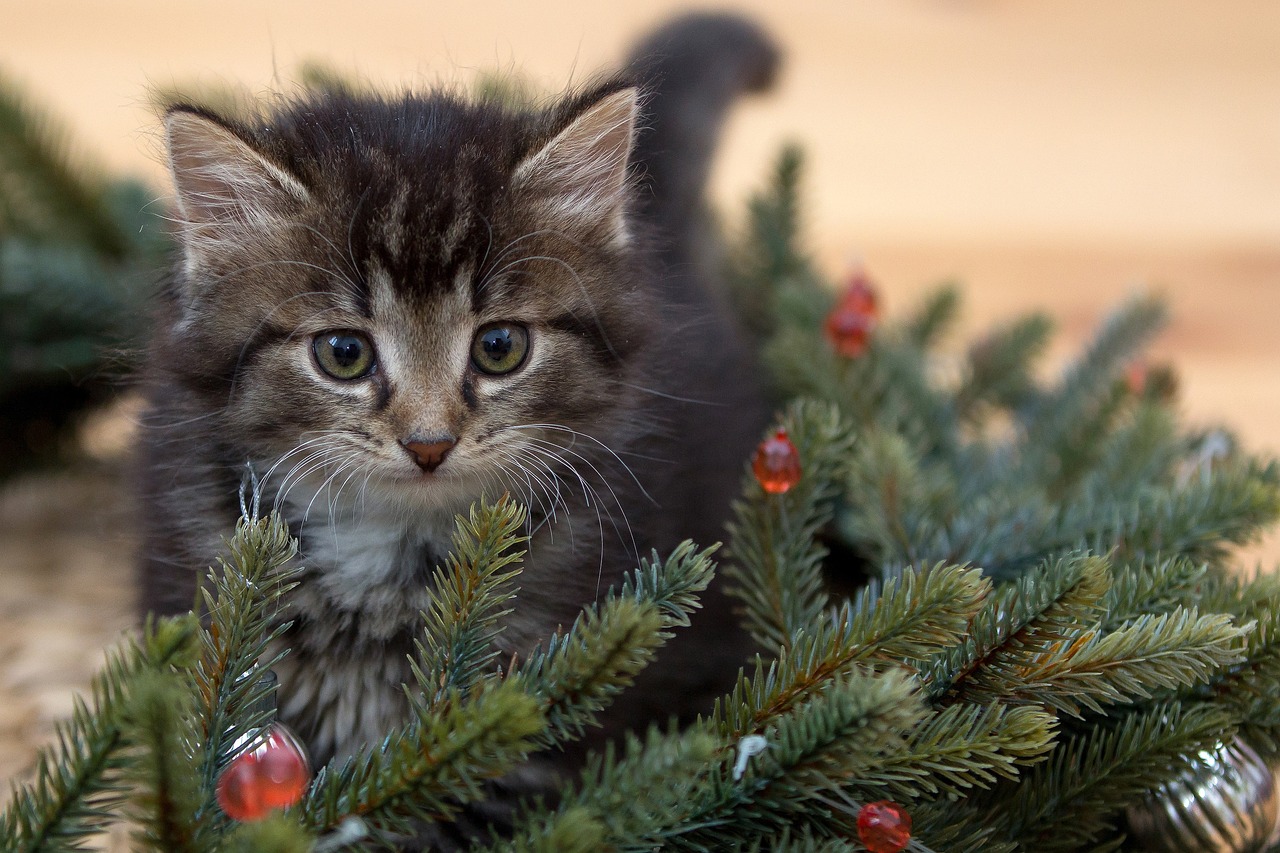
<point x="387" y="307"/>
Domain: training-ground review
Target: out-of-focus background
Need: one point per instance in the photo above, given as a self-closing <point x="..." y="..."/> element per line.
<point x="1049" y="154"/>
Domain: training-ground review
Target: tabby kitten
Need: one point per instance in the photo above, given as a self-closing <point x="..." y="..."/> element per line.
<point x="387" y="307"/>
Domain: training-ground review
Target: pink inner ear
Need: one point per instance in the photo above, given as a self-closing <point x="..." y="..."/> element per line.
<point x="584" y="168"/>
<point x="219" y="178"/>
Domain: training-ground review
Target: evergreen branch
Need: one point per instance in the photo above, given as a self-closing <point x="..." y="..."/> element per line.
<point x="932" y="319"/>
<point x="162" y="768"/>
<point x="832" y="740"/>
<point x="626" y="802"/>
<point x="908" y="619"/>
<point x="276" y="833"/>
<point x="888" y="494"/>
<point x="1088" y="381"/>
<point x="999" y="366"/>
<point x="1151" y="588"/>
<point x="580" y="672"/>
<point x="45" y="193"/>
<point x="467" y="598"/>
<point x="776" y="568"/>
<point x="950" y="826"/>
<point x="1143" y="452"/>
<point x="1173" y="651"/>
<point x="75" y="792"/>
<point x="771" y="278"/>
<point x="435" y="763"/>
<point x="1035" y="615"/>
<point x="1228" y="507"/>
<point x="243" y="602"/>
<point x="674" y="584"/>
<point x="1073" y="799"/>
<point x="962" y="747"/>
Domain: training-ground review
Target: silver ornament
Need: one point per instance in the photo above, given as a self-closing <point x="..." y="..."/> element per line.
<point x="1227" y="801"/>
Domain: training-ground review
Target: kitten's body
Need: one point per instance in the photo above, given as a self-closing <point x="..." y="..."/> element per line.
<point x="414" y="223"/>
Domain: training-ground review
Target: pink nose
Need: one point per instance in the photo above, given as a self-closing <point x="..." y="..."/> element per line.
<point x="429" y="454"/>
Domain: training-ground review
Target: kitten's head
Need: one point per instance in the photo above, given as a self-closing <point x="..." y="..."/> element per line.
<point x="417" y="293"/>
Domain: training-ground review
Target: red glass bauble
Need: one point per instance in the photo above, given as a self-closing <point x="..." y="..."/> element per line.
<point x="884" y="827"/>
<point x="273" y="774"/>
<point x="853" y="319"/>
<point x="777" y="463"/>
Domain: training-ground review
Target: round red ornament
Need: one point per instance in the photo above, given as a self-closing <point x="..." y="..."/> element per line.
<point x="884" y="827"/>
<point x="270" y="775"/>
<point x="853" y="319"/>
<point x="777" y="463"/>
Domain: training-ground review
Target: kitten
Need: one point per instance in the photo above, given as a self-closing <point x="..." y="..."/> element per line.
<point x="387" y="307"/>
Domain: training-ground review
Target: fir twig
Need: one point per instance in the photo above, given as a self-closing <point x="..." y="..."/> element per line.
<point x="243" y="602"/>
<point x="468" y="596"/>
<point x="76" y="792"/>
<point x="775" y="567"/>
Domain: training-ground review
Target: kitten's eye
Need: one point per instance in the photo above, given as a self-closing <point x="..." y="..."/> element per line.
<point x="500" y="347"/>
<point x="344" y="355"/>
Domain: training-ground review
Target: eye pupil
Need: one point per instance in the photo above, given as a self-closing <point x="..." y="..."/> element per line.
<point x="346" y="349"/>
<point x="497" y="344"/>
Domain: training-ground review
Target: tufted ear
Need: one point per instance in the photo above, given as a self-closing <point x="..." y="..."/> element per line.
<point x="226" y="191"/>
<point x="582" y="173"/>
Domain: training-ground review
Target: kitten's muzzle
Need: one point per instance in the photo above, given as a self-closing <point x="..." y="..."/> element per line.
<point x="430" y="453"/>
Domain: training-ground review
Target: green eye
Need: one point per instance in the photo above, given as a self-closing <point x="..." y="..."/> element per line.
<point x="500" y="348"/>
<point x="344" y="355"/>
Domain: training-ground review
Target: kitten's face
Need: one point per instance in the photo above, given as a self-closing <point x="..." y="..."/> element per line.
<point x="408" y="325"/>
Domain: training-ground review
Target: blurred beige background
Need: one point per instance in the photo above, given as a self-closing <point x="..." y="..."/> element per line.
<point x="1052" y="155"/>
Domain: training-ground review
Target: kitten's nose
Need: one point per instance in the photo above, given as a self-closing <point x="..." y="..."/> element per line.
<point x="429" y="454"/>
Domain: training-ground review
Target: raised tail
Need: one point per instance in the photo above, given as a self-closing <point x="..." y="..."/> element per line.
<point x="692" y="69"/>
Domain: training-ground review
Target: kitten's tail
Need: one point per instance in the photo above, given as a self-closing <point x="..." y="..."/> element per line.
<point x="692" y="69"/>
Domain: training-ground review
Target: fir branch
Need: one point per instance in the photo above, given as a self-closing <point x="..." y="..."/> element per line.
<point x="1034" y="615"/>
<point x="834" y="739"/>
<point x="468" y="595"/>
<point x="162" y="767"/>
<point x="1088" y="380"/>
<point x="1142" y="452"/>
<point x="904" y="622"/>
<point x="960" y="748"/>
<point x="770" y="268"/>
<point x="75" y="792"/>
<point x="581" y="671"/>
<point x="889" y="499"/>
<point x="45" y="192"/>
<point x="776" y="561"/>
<point x="435" y="763"/>
<point x="627" y="802"/>
<point x="673" y="584"/>
<point x="932" y="319"/>
<point x="276" y="833"/>
<point x="999" y="366"/>
<point x="1073" y="799"/>
<point x="1151" y="588"/>
<point x="243" y="603"/>
<point x="1202" y="519"/>
<point x="1169" y="652"/>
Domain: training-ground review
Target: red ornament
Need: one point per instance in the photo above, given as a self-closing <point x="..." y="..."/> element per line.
<point x="884" y="827"/>
<point x="853" y="319"/>
<point x="271" y="775"/>
<point x="777" y="463"/>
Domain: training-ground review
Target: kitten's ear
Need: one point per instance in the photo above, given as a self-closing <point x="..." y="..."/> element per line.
<point x="582" y="172"/>
<point x="226" y="190"/>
